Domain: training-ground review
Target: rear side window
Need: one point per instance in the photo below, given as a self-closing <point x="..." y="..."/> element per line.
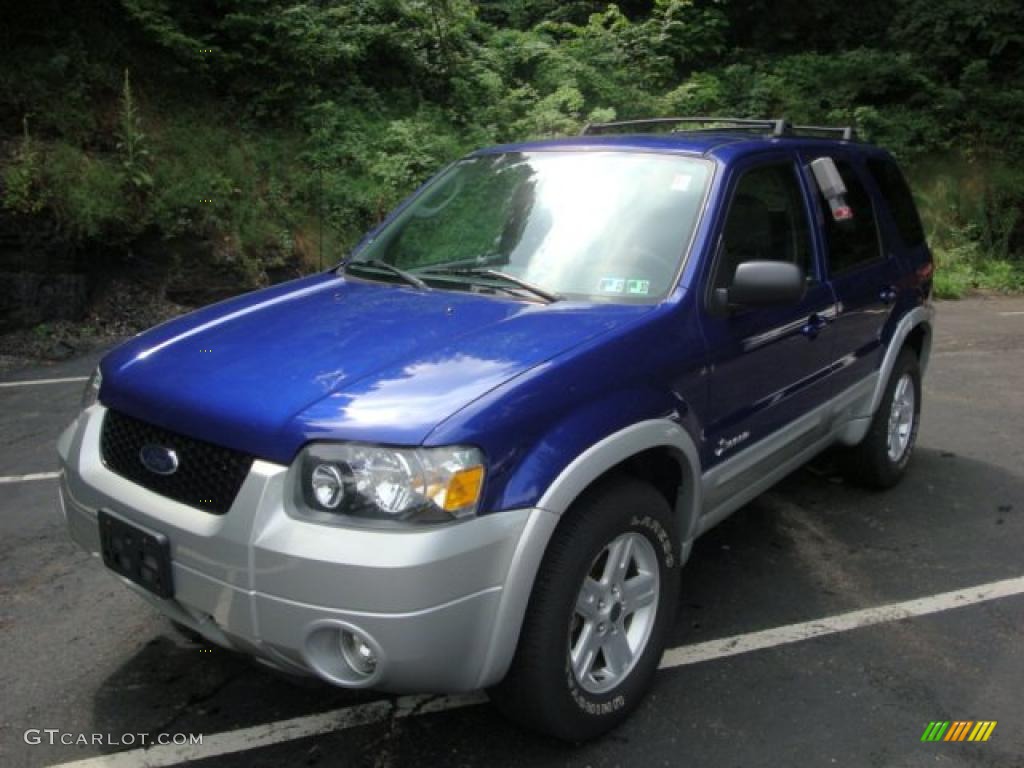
<point x="854" y="241"/>
<point x="896" y="193"/>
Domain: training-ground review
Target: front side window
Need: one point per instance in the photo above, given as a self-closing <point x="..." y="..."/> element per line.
<point x="590" y="225"/>
<point x="767" y="221"/>
<point x="853" y="241"/>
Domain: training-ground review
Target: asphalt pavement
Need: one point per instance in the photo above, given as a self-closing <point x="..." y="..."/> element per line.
<point x="766" y="674"/>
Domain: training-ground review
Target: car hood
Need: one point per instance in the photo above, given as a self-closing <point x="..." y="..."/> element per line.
<point x="329" y="357"/>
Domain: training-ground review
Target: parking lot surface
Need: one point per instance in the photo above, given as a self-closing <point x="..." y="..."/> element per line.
<point x="933" y="571"/>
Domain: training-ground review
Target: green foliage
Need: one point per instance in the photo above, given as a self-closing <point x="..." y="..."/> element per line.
<point x="972" y="211"/>
<point x="408" y="151"/>
<point x="131" y="142"/>
<point x="85" y="192"/>
<point x="363" y="159"/>
<point x="262" y="125"/>
<point x="23" y="176"/>
<point x="964" y="269"/>
<point x="976" y="203"/>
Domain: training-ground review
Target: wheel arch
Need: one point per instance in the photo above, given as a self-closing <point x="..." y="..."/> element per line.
<point x="914" y="330"/>
<point x="658" y="450"/>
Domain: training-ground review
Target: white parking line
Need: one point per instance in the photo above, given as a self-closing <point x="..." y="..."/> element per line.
<point x="30" y="382"/>
<point x="1011" y="314"/>
<point x="343" y="719"/>
<point x="258" y="736"/>
<point x="843" y="622"/>
<point x="28" y="478"/>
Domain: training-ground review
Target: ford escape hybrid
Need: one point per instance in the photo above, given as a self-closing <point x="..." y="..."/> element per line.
<point x="477" y="452"/>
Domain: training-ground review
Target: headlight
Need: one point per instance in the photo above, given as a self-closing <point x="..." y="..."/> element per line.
<point x="368" y="482"/>
<point x="92" y="389"/>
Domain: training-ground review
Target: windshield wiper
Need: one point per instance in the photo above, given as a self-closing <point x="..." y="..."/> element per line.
<point x="536" y="290"/>
<point x="408" y="277"/>
<point x="545" y="295"/>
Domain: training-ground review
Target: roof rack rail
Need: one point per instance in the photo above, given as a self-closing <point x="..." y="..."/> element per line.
<point x="846" y="132"/>
<point x="775" y="126"/>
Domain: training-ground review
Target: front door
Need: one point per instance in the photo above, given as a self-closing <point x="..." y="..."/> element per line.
<point x="769" y="365"/>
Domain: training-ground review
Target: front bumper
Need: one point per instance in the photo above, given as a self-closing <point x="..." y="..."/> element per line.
<point x="441" y="606"/>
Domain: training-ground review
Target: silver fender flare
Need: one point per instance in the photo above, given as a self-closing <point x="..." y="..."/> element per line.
<point x="573" y="480"/>
<point x="854" y="431"/>
<point x="915" y="317"/>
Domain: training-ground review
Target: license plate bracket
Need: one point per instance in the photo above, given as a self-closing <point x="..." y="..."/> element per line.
<point x="140" y="556"/>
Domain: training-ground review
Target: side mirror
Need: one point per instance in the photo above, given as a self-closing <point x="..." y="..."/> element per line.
<point x="761" y="283"/>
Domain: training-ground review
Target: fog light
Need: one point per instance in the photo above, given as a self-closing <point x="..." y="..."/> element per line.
<point x="357" y="653"/>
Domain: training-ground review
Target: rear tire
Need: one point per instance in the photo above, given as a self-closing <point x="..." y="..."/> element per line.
<point x="881" y="458"/>
<point x="599" y="614"/>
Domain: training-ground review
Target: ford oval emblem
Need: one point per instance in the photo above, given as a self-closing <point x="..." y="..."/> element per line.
<point x="158" y="459"/>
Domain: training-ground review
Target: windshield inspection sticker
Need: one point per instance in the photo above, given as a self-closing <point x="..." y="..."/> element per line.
<point x="638" y="287"/>
<point x="681" y="182"/>
<point x="612" y="285"/>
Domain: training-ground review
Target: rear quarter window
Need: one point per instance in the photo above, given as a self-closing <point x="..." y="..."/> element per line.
<point x="896" y="193"/>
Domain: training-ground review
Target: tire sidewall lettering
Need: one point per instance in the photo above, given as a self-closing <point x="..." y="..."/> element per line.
<point x="660" y="535"/>
<point x="589" y="706"/>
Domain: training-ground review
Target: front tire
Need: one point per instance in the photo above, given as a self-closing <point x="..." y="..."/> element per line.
<point x="599" y="614"/>
<point x="881" y="458"/>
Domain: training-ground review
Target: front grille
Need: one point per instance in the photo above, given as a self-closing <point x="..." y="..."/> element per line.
<point x="208" y="476"/>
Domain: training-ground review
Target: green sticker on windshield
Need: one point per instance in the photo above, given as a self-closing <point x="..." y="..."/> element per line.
<point x="638" y="287"/>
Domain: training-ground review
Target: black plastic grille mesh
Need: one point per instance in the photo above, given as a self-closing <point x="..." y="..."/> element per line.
<point x="208" y="476"/>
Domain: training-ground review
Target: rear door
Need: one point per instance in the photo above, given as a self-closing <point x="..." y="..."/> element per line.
<point x="863" y="273"/>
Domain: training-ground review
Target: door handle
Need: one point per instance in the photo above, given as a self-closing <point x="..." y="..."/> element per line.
<point x="888" y="295"/>
<point x="813" y="326"/>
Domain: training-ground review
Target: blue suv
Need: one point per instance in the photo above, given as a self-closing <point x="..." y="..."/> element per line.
<point x="477" y="452"/>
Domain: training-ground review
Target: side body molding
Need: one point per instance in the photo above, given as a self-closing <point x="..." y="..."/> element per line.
<point x="584" y="470"/>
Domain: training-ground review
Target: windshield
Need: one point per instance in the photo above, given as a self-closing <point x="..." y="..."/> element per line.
<point x="592" y="225"/>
